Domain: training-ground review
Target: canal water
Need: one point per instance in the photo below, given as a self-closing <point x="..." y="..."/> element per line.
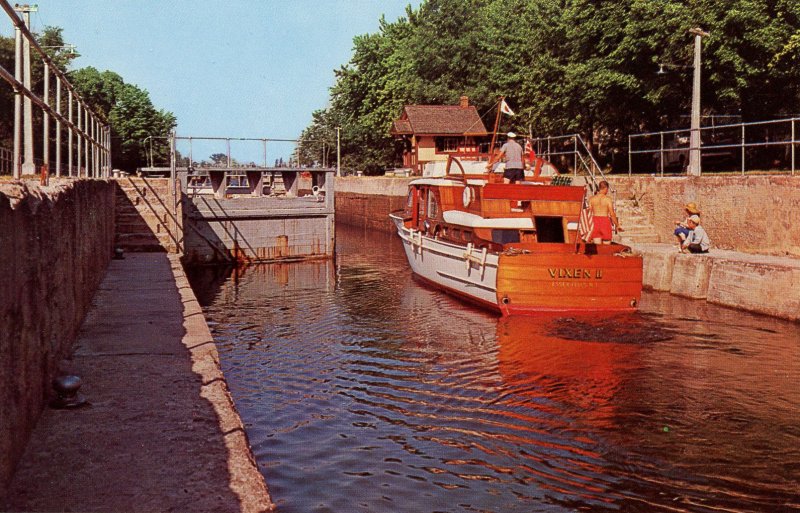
<point x="363" y="390"/>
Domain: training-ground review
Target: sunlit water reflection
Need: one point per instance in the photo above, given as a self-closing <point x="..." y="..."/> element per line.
<point x="363" y="390"/>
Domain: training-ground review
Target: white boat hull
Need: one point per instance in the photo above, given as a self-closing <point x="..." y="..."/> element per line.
<point x="466" y="271"/>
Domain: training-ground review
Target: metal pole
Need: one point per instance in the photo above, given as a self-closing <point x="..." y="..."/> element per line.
<point x="86" y="119"/>
<point x="58" y="125"/>
<point x="70" y="133"/>
<point x="695" y="164"/>
<point x="743" y="148"/>
<point x="229" y="152"/>
<point x="661" y="152"/>
<point x="338" y="151"/>
<point x="265" y="152"/>
<point x="575" y="156"/>
<point x="79" y="141"/>
<point x="46" y="117"/>
<point x="630" y="157"/>
<point x="17" y="102"/>
<point x="191" y="158"/>
<point x="794" y="143"/>
<point x="28" y="166"/>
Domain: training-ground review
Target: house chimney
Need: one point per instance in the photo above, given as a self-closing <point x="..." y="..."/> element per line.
<point x="464" y="102"/>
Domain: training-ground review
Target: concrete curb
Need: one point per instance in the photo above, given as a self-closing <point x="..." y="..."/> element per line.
<point x="763" y="284"/>
<point x="245" y="479"/>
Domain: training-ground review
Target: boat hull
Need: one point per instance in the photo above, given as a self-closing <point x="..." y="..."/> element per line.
<point x="471" y="274"/>
<point x="526" y="283"/>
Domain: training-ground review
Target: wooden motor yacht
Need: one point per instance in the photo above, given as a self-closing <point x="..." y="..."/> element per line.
<point x="513" y="248"/>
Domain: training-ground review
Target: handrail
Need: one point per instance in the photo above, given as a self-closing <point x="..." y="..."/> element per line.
<point x="582" y="156"/>
<point x="790" y="141"/>
<point x="90" y="132"/>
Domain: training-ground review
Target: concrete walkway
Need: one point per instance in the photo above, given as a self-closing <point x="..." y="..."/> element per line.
<point x="161" y="433"/>
<point x="758" y="283"/>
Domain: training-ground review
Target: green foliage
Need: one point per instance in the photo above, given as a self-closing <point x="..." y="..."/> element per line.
<point x="586" y="66"/>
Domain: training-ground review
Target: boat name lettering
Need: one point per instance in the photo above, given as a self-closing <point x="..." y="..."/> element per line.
<point x="564" y="272"/>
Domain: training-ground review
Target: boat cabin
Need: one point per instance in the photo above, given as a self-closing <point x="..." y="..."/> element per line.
<point x="492" y="215"/>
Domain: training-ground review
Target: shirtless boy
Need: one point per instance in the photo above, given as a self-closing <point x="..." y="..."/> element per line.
<point x="603" y="211"/>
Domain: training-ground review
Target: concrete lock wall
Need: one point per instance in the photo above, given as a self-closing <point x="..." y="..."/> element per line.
<point x="367" y="201"/>
<point x="753" y="214"/>
<point x="55" y="245"/>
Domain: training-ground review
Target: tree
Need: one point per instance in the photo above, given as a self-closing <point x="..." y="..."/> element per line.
<point x="586" y="66"/>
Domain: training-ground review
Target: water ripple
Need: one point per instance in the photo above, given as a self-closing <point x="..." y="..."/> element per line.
<point x="362" y="390"/>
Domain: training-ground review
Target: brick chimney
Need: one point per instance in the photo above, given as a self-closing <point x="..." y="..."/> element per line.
<point x="464" y="103"/>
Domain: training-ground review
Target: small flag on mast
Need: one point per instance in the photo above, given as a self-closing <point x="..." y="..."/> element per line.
<point x="505" y="109"/>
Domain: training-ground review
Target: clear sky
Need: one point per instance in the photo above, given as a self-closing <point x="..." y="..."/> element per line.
<point x="233" y="68"/>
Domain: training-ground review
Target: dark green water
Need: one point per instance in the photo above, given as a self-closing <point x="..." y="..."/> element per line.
<point x="362" y="390"/>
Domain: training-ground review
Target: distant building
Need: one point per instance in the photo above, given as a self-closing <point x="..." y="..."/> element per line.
<point x="434" y="132"/>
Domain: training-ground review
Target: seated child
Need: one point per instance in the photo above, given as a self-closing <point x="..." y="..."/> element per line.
<point x="682" y="230"/>
<point x="697" y="241"/>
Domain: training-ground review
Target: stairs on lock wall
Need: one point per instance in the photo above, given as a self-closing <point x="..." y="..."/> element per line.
<point x="636" y="224"/>
<point x="142" y="207"/>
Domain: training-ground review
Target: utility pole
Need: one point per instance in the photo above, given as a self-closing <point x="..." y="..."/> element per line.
<point x="695" y="161"/>
<point x="28" y="167"/>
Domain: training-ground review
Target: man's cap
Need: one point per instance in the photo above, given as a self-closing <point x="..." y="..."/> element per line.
<point x="695" y="219"/>
<point x="511" y="135"/>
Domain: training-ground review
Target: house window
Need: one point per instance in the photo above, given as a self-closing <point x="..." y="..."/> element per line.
<point x="447" y="144"/>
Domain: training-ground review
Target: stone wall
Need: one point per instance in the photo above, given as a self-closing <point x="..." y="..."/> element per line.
<point x="55" y="245"/>
<point x="753" y="214"/>
<point x="367" y="201"/>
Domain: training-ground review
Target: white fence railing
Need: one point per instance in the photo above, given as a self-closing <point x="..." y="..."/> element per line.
<point x="88" y="145"/>
<point x="763" y="145"/>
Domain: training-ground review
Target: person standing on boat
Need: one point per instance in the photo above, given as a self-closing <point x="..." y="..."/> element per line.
<point x="511" y="152"/>
<point x="603" y="213"/>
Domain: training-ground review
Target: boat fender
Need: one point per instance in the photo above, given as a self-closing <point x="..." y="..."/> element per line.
<point x="467" y="196"/>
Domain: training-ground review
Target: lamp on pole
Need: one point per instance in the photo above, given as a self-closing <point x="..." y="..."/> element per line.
<point x="695" y="166"/>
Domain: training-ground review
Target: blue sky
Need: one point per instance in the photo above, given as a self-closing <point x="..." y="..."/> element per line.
<point x="226" y="69"/>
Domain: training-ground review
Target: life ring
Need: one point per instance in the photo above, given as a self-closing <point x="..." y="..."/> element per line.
<point x="467" y="196"/>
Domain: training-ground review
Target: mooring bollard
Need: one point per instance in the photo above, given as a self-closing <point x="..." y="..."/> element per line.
<point x="67" y="395"/>
<point x="119" y="254"/>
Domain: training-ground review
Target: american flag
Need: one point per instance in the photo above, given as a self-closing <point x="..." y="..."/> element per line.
<point x="586" y="223"/>
<point x="529" y="150"/>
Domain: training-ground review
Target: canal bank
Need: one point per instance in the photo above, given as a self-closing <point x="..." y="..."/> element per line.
<point x="755" y="261"/>
<point x="161" y="431"/>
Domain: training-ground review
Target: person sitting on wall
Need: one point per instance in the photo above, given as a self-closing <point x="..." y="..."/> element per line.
<point x="682" y="230"/>
<point x="697" y="241"/>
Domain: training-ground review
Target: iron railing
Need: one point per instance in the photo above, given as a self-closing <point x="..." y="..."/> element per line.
<point x="770" y="145"/>
<point x="89" y="141"/>
<point x="569" y="147"/>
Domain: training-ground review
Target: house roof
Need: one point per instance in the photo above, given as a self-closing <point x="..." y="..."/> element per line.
<point x="439" y="120"/>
